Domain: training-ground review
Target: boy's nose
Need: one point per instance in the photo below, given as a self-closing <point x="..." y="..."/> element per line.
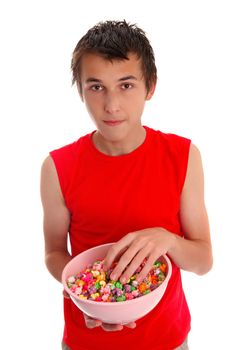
<point x="111" y="103"/>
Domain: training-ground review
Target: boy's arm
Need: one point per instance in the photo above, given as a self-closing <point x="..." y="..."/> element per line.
<point x="56" y="226"/>
<point x="56" y="220"/>
<point x="192" y="253"/>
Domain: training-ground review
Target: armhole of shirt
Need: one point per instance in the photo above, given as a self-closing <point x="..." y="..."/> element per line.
<point x="184" y="162"/>
<point x="63" y="160"/>
<point x="59" y="172"/>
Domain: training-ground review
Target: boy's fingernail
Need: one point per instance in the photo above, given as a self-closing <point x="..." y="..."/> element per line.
<point x="113" y="277"/>
<point x="123" y="280"/>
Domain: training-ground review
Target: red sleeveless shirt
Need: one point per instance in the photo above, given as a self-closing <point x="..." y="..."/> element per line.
<point x="110" y="196"/>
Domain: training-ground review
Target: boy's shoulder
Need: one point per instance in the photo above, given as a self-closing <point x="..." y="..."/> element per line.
<point x="71" y="149"/>
<point x="167" y="138"/>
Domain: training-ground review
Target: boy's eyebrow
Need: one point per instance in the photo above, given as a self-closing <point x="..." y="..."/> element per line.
<point x="95" y="80"/>
<point x="128" y="77"/>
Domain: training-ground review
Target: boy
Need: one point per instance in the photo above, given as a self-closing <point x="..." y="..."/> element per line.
<point x="125" y="183"/>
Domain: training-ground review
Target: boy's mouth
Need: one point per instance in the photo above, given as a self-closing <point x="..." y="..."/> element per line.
<point x="113" y="122"/>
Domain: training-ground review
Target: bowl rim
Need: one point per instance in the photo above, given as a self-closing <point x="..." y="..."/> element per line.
<point x="114" y="304"/>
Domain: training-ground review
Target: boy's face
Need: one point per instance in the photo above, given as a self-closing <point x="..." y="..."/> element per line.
<point x="114" y="93"/>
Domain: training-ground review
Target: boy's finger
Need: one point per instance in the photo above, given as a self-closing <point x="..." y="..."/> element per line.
<point x="131" y="325"/>
<point x="117" y="327"/>
<point x="91" y="322"/>
<point x="65" y="294"/>
<point x="114" y="253"/>
<point x="112" y="327"/>
<point x="110" y="257"/>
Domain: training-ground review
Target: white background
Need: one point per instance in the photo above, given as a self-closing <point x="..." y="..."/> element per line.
<point x="40" y="111"/>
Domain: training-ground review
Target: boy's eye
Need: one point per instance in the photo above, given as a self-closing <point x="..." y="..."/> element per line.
<point x="96" y="88"/>
<point x="127" y="86"/>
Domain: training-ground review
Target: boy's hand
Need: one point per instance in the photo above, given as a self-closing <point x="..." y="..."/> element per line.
<point x="65" y="294"/>
<point x="132" y="249"/>
<point x="92" y="323"/>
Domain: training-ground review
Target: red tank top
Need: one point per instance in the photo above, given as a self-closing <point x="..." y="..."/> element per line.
<point x="110" y="196"/>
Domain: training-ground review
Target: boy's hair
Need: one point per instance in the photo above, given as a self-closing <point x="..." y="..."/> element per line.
<point x="115" y="40"/>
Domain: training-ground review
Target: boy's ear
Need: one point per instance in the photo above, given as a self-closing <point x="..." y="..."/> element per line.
<point x="151" y="91"/>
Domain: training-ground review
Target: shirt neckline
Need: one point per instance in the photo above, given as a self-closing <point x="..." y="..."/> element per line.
<point x="131" y="154"/>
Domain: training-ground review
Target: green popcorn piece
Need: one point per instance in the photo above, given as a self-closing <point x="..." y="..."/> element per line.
<point x="146" y="292"/>
<point x="132" y="288"/>
<point x="161" y="276"/>
<point x="119" y="285"/>
<point x="121" y="298"/>
<point x="97" y="285"/>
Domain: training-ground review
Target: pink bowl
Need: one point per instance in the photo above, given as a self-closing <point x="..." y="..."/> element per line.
<point x="112" y="312"/>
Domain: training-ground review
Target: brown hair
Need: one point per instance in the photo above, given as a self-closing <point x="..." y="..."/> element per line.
<point x="115" y="40"/>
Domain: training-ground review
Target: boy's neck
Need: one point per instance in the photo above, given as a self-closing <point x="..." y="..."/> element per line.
<point x="118" y="148"/>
